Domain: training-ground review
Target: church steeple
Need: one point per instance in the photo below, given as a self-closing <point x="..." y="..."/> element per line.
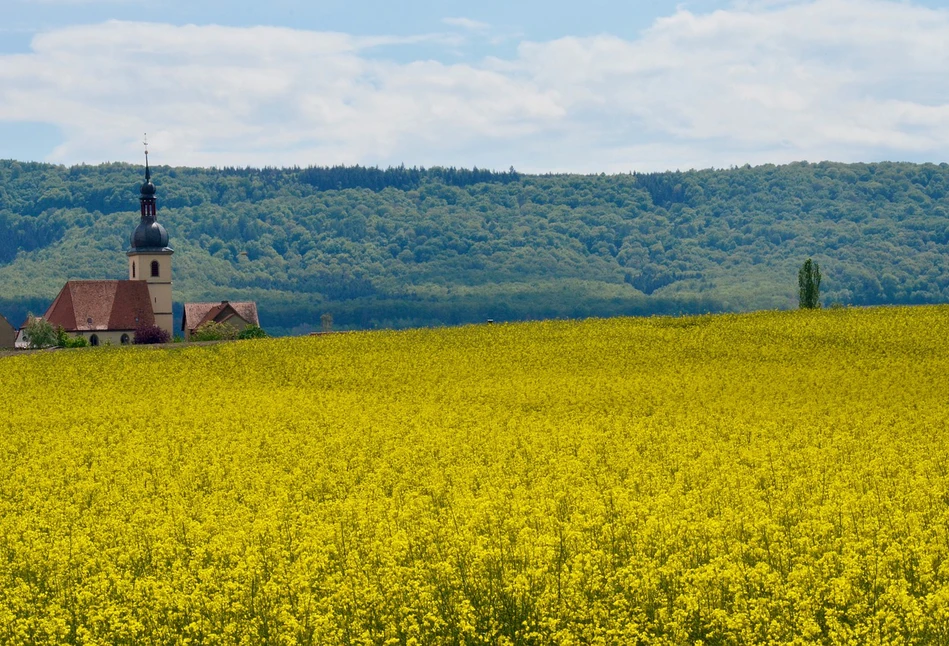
<point x="149" y="235"/>
<point x="150" y="256"/>
<point x="147" y="198"/>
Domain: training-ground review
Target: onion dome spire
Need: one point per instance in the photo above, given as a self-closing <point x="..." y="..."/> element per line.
<point x="148" y="235"/>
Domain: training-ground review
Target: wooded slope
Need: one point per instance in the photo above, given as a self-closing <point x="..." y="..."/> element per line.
<point x="408" y="247"/>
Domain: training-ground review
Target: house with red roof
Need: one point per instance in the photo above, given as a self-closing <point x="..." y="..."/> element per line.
<point x="238" y="315"/>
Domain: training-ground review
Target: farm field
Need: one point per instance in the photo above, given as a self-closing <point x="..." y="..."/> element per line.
<point x="777" y="477"/>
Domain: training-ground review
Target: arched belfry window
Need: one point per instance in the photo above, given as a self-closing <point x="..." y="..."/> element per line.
<point x="133" y="270"/>
<point x="155" y="269"/>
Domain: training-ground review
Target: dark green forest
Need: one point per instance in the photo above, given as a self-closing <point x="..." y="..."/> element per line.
<point x="411" y="247"/>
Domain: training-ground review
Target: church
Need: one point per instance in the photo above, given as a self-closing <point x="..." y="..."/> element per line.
<point x="109" y="311"/>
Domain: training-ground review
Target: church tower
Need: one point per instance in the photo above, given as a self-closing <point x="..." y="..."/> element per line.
<point x="150" y="256"/>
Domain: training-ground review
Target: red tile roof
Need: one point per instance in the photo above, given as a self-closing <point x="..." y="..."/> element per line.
<point x="197" y="314"/>
<point x="87" y="305"/>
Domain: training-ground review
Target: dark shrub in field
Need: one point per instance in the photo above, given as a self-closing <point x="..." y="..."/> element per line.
<point x="252" y="332"/>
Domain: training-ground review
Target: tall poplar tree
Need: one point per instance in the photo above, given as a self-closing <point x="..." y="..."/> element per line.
<point x="808" y="281"/>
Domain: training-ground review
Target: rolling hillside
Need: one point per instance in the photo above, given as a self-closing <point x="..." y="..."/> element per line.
<point x="408" y="247"/>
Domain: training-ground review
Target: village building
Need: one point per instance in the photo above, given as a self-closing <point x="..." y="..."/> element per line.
<point x="109" y="311"/>
<point x="7" y="334"/>
<point x="238" y="315"/>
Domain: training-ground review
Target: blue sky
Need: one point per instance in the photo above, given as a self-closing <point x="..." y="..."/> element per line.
<point x="537" y="20"/>
<point x="544" y="86"/>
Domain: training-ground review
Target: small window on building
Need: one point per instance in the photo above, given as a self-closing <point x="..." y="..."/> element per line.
<point x="125" y="339"/>
<point x="133" y="270"/>
<point x="94" y="340"/>
<point x="154" y="268"/>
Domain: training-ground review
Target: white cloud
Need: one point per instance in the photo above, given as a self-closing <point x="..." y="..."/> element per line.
<point x="467" y="23"/>
<point x="826" y="79"/>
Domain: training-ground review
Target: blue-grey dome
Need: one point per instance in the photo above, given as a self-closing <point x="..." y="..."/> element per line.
<point x="149" y="235"/>
<point x="148" y="189"/>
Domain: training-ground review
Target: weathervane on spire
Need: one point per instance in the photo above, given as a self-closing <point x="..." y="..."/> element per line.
<point x="148" y="174"/>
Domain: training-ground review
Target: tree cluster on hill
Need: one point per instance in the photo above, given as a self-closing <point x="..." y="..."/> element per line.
<point x="412" y="246"/>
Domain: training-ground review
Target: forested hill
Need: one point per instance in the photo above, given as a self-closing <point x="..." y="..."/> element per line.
<point x="408" y="247"/>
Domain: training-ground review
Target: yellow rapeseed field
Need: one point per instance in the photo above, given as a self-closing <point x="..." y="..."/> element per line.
<point x="741" y="479"/>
